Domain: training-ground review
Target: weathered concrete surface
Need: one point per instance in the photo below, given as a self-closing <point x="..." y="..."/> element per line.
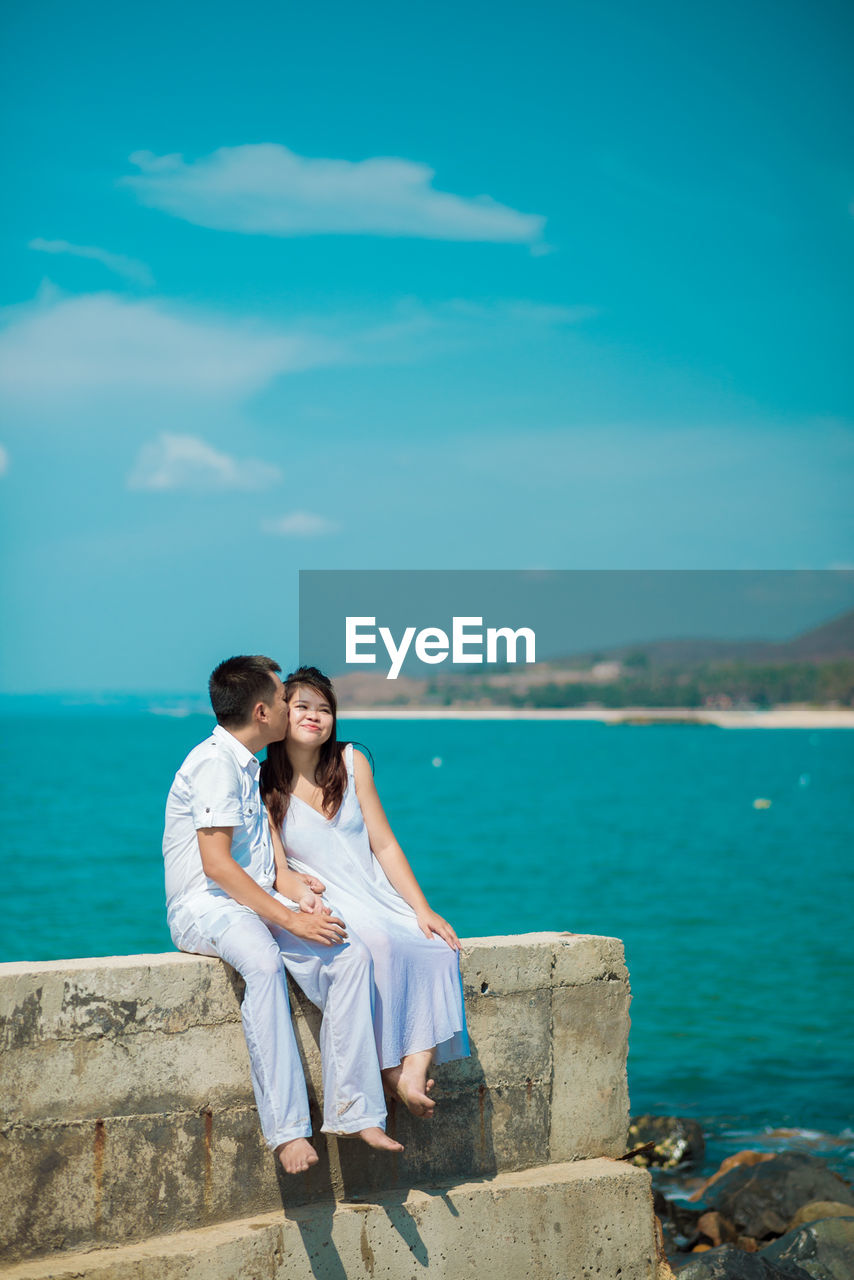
<point x="128" y="1110"/>
<point x="557" y="1222"/>
<point x="582" y="1125"/>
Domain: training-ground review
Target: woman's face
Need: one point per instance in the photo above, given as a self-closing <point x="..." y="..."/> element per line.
<point x="310" y="718"/>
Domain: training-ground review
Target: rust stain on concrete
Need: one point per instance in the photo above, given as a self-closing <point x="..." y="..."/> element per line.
<point x="208" y="1116"/>
<point x="366" y="1250"/>
<point x="98" y="1148"/>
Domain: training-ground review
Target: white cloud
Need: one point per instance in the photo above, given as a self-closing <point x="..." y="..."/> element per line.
<point x="62" y="355"/>
<point x="300" y="524"/>
<point x="130" y="268"/>
<point x="186" y="462"/>
<point x="4" y="460"/>
<point x="265" y="189"/>
<point x="60" y="350"/>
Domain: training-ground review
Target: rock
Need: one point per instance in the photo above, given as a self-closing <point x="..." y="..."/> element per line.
<point x="716" y="1228"/>
<point x="677" y="1141"/>
<point x="678" y="1219"/>
<point x="806" y="1139"/>
<point x="732" y="1162"/>
<point x="761" y="1200"/>
<point x="819" y="1209"/>
<point x="824" y="1249"/>
<point x="729" y="1263"/>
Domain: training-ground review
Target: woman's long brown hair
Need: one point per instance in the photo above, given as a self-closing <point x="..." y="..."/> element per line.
<point x="277" y="773"/>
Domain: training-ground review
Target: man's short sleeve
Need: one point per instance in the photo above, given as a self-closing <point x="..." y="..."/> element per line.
<point x="215" y="796"/>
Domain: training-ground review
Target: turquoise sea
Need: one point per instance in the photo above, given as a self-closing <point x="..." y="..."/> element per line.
<point x="737" y="920"/>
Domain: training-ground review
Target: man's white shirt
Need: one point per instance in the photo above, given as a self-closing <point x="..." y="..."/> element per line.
<point x="216" y="786"/>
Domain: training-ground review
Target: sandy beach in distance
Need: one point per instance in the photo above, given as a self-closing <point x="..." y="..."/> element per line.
<point x="784" y="717"/>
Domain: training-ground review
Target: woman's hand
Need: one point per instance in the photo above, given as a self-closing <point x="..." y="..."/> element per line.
<point x="429" y="923"/>
<point x="312" y="904"/>
<point x="312" y="883"/>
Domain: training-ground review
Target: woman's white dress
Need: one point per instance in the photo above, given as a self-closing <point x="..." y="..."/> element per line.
<point x="419" y="997"/>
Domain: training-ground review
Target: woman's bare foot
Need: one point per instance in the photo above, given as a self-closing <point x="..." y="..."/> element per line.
<point x="410" y="1083"/>
<point x="377" y="1137"/>
<point x="297" y="1156"/>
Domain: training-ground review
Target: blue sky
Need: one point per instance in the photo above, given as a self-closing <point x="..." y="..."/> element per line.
<point x="479" y="286"/>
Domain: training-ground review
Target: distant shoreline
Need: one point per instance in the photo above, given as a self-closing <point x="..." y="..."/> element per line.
<point x="784" y="717"/>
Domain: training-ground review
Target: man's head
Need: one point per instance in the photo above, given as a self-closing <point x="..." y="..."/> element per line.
<point x="248" y="689"/>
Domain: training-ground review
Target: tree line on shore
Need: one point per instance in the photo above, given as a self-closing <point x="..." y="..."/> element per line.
<point x="719" y="684"/>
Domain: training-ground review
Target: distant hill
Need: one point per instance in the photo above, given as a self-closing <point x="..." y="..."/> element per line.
<point x="815" y="668"/>
<point x="834" y="639"/>
<point x="831" y="641"/>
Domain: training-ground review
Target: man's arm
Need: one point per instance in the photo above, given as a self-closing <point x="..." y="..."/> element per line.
<point x="220" y="866"/>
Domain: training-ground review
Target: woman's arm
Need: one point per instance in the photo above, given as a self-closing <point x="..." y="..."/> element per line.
<point x="391" y="857"/>
<point x="291" y="884"/>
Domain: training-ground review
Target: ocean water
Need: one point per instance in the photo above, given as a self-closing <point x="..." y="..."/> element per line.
<point x="737" y="920"/>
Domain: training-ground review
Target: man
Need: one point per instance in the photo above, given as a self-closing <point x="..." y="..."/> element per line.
<point x="226" y="897"/>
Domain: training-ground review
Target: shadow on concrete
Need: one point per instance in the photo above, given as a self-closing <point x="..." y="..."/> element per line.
<point x="455" y="1146"/>
<point x="315" y="1227"/>
<point x="315" y="1223"/>
<point x="404" y="1225"/>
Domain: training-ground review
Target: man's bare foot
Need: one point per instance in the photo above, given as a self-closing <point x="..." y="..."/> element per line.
<point x="409" y="1083"/>
<point x="377" y="1137"/>
<point x="297" y="1156"/>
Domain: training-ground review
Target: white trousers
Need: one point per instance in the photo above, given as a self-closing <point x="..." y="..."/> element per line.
<point x="339" y="980"/>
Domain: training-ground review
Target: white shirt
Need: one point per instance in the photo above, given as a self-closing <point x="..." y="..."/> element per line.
<point x="216" y="786"/>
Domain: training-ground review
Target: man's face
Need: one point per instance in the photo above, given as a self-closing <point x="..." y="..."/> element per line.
<point x="277" y="712"/>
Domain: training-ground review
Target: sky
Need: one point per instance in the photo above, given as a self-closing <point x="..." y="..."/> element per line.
<point x="554" y="286"/>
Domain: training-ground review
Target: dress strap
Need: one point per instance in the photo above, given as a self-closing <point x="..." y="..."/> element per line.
<point x="348" y="760"/>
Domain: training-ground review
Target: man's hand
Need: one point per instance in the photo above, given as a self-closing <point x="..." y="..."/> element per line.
<point x="317" y="927"/>
<point x="312" y="883"/>
<point x="429" y="923"/>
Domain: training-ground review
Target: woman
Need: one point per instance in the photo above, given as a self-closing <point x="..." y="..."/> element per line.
<point x="327" y="820"/>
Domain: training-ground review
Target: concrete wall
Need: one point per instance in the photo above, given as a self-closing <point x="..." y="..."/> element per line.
<point x="128" y="1111"/>
<point x="589" y="1220"/>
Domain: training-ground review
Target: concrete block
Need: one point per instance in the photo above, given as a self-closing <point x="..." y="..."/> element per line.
<point x="499" y="1052"/>
<point x="522" y="962"/>
<point x="122" y="1178"/>
<point x="561" y="1222"/>
<point x="127" y="1177"/>
<point x="79" y="999"/>
<point x="129" y="1108"/>
<point x="590" y="1098"/>
<point x="124" y="1075"/>
<point x="580" y="958"/>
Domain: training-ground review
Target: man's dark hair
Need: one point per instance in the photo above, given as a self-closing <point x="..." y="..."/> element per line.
<point x="237" y="684"/>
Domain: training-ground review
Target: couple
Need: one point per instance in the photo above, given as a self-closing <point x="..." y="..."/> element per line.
<point x="380" y="964"/>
